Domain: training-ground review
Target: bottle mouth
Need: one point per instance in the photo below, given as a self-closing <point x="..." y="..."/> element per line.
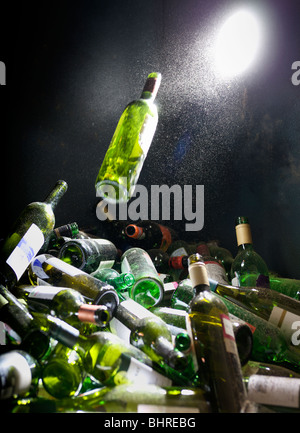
<point x="133" y="231"/>
<point x="147" y="292"/>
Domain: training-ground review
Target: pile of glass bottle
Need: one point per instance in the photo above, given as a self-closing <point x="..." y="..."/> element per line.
<point x="141" y="321"/>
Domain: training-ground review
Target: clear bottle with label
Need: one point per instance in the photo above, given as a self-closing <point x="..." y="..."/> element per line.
<point x="148" y="332"/>
<point x="88" y="254"/>
<point x="46" y="269"/>
<point x="216" y="354"/>
<point x="222" y="254"/>
<point x="124" y="159"/>
<point x="30" y="232"/>
<point x="248" y="268"/>
<point x="148" y="288"/>
<point x="214" y="267"/>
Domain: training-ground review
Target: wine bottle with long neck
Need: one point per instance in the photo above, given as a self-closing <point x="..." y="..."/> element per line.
<point x="248" y="267"/>
<point x="129" y="146"/>
<point x="149" y="234"/>
<point x="67" y="304"/>
<point x="219" y="367"/>
<point x="51" y="270"/>
<point x="30" y="232"/>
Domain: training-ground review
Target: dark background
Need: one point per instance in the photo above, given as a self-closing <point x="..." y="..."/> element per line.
<point x="73" y="66"/>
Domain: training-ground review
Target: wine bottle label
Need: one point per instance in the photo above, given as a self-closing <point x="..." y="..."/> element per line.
<point x="288" y="322"/>
<point x="2" y="334"/>
<point x="64" y="267"/>
<point x="48" y="292"/>
<point x="138" y="372"/>
<point x="151" y="408"/>
<point x="228" y="334"/>
<point x="25" y="251"/>
<point x="274" y="390"/>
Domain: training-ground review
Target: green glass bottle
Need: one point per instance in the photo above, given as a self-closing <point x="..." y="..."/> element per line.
<point x="287" y="286"/>
<point x="59" y="236"/>
<point x="29" y="233"/>
<point x="139" y="399"/>
<point x="219" y="367"/>
<point x="248" y="268"/>
<point x="242" y="331"/>
<point x="121" y="282"/>
<point x="148" y="288"/>
<point x="19" y="373"/>
<point x="16" y="315"/>
<point x="149" y="234"/>
<point x="129" y="146"/>
<point x="51" y="270"/>
<point x="222" y="254"/>
<point x="267" y="369"/>
<point x="280" y="310"/>
<point x="134" y="398"/>
<point x="103" y="355"/>
<point x="88" y="254"/>
<point x="67" y="304"/>
<point x="270" y="344"/>
<point x="145" y="330"/>
<point x="166" y="264"/>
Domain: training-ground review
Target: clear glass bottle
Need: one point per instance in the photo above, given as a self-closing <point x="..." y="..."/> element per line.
<point x="219" y="367"/>
<point x="51" y="270"/>
<point x="222" y="254"/>
<point x="88" y="254"/>
<point x="129" y="146"/>
<point x="148" y="288"/>
<point x="30" y="232"/>
<point x="248" y="268"/>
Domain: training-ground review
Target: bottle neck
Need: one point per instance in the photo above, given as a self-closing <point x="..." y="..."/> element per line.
<point x="56" y="194"/>
<point x="198" y="276"/>
<point x="151" y="86"/>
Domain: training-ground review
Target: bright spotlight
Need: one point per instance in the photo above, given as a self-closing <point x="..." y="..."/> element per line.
<point x="237" y="43"/>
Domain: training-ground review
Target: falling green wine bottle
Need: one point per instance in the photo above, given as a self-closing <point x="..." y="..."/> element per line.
<point x="129" y="146"/>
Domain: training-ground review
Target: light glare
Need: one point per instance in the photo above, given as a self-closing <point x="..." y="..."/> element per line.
<point x="237" y="43"/>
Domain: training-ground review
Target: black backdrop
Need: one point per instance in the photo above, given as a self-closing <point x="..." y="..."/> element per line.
<point x="73" y="66"/>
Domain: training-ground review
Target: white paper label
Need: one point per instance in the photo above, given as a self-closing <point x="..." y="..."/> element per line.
<point x="274" y="390"/>
<point x="25" y="251"/>
<point x="179" y="252"/>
